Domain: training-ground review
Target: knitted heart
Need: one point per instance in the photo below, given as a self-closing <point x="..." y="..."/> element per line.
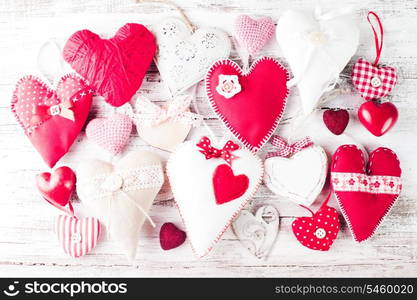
<point x="365" y="195"/>
<point x="191" y="178"/>
<point x="114" y="67"/>
<point x="51" y="119"/>
<point x="378" y="118"/>
<point x="300" y="177"/>
<point x="259" y="96"/>
<point x="253" y="34"/>
<point x="336" y="120"/>
<point x="171" y="237"/>
<point x="111" y="133"/>
<point x="77" y="236"/>
<point x="373" y="82"/>
<point x="227" y="186"/>
<point x="121" y="194"/>
<point x="184" y="57"/>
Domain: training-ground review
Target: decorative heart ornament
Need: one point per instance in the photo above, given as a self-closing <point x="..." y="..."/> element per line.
<point x="378" y="118"/>
<point x="114" y="67"/>
<point x="207" y="203"/>
<point x="365" y="193"/>
<point x="184" y="57"/>
<point x="317" y="47"/>
<point x="77" y="236"/>
<point x="121" y="194"/>
<point x="259" y="96"/>
<point x="336" y="120"/>
<point x="257" y="232"/>
<point x="52" y="119"/>
<point x="171" y="237"/>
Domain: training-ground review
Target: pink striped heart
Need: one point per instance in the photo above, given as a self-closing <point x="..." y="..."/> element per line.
<point x="77" y="236"/>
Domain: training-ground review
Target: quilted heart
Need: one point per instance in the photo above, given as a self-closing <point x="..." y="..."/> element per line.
<point x="114" y="67"/>
<point x="365" y="197"/>
<point x="227" y="186"/>
<point x="51" y="119"/>
<point x="184" y="57"/>
<point x="191" y="178"/>
<point x="378" y="118"/>
<point x="373" y="82"/>
<point x="77" y="236"/>
<point x="259" y="96"/>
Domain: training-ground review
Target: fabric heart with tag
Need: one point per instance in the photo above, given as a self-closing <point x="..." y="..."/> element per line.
<point x="365" y="193"/>
<point x="52" y="119"/>
<point x="114" y="67"/>
<point x="183" y="56"/>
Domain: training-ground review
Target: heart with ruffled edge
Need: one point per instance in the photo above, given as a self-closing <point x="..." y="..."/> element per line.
<point x="253" y="113"/>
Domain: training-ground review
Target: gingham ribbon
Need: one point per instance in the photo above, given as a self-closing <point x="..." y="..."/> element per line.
<point x="286" y="150"/>
<point x="210" y="152"/>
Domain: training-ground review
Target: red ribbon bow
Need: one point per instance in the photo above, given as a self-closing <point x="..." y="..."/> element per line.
<point x="211" y="152"/>
<point x="286" y="150"/>
<point x="42" y="113"/>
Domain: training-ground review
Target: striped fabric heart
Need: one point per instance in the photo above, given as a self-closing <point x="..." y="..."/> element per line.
<point x="77" y="236"/>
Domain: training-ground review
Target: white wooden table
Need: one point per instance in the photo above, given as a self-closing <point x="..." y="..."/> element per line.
<point x="28" y="246"/>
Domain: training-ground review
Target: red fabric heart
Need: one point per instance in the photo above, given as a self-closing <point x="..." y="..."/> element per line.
<point x="365" y="197"/>
<point x="378" y="118"/>
<point x="227" y="186"/>
<point x="336" y="120"/>
<point x="35" y="107"/>
<point x="253" y="114"/>
<point x="114" y="67"/>
<point x="170" y="236"/>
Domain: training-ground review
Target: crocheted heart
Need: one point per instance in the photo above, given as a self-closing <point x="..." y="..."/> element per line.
<point x="259" y="96"/>
<point x="336" y="120"/>
<point x="191" y="178"/>
<point x="365" y="193"/>
<point x="253" y="34"/>
<point x="52" y="119"/>
<point x="114" y="67"/>
<point x="373" y="82"/>
<point x="184" y="57"/>
<point x="378" y="118"/>
<point x="171" y="237"/>
<point x="77" y="236"/>
<point x="111" y="133"/>
<point x="227" y="186"/>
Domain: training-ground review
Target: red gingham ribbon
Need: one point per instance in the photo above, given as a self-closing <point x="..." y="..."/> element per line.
<point x="378" y="42"/>
<point x="286" y="150"/>
<point x="211" y="152"/>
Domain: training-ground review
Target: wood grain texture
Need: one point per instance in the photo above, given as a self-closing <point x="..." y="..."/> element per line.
<point x="28" y="246"/>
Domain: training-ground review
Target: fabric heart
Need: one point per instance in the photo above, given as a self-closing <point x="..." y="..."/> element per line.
<point x="227" y="186"/>
<point x="262" y="99"/>
<point x="365" y="197"/>
<point x="121" y="194"/>
<point x="317" y="47"/>
<point x="378" y="118"/>
<point x="51" y="119"/>
<point x="114" y="67"/>
<point x="191" y="177"/>
<point x="336" y="120"/>
<point x="257" y="232"/>
<point x="253" y="34"/>
<point x="77" y="236"/>
<point x="373" y="82"/>
<point x="111" y="133"/>
<point x="57" y="187"/>
<point x="184" y="57"/>
<point x="171" y="237"/>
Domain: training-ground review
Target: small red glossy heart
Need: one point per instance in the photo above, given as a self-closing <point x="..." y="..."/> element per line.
<point x="227" y="186"/>
<point x="336" y="120"/>
<point x="170" y="236"/>
<point x="378" y="118"/>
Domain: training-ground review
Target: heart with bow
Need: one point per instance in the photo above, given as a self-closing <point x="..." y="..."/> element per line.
<point x="365" y="193"/>
<point x="120" y="195"/>
<point x="114" y="67"/>
<point x="183" y="56"/>
<point x="260" y="95"/>
<point x="191" y="170"/>
<point x="52" y="119"/>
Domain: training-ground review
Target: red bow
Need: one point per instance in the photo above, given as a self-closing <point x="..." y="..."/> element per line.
<point x="211" y="152"/>
<point x="44" y="112"/>
<point x="286" y="150"/>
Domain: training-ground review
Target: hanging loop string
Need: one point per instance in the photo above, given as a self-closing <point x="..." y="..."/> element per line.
<point x="50" y="62"/>
<point x="379" y="40"/>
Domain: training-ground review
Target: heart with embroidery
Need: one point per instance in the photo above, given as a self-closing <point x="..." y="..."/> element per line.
<point x="207" y="202"/>
<point x="365" y="193"/>
<point x="120" y="195"/>
<point x="52" y="119"/>
<point x="77" y="236"/>
<point x="183" y="56"/>
<point x="260" y="95"/>
<point x="114" y="67"/>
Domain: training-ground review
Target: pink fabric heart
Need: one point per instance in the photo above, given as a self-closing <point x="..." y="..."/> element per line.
<point x="253" y="34"/>
<point x="111" y="133"/>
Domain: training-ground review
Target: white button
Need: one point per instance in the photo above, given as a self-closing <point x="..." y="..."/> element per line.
<point x="112" y="183"/>
<point x="320" y="233"/>
<point x="376" y="81"/>
<point x="55" y="110"/>
<point x="76" y="237"/>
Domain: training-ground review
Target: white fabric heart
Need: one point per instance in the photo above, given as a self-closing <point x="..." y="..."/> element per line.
<point x="121" y="194"/>
<point x="183" y="57"/>
<point x="300" y="177"/>
<point x="317" y="47"/>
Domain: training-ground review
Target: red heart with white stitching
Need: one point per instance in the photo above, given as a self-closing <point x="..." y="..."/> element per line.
<point x="228" y="186"/>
